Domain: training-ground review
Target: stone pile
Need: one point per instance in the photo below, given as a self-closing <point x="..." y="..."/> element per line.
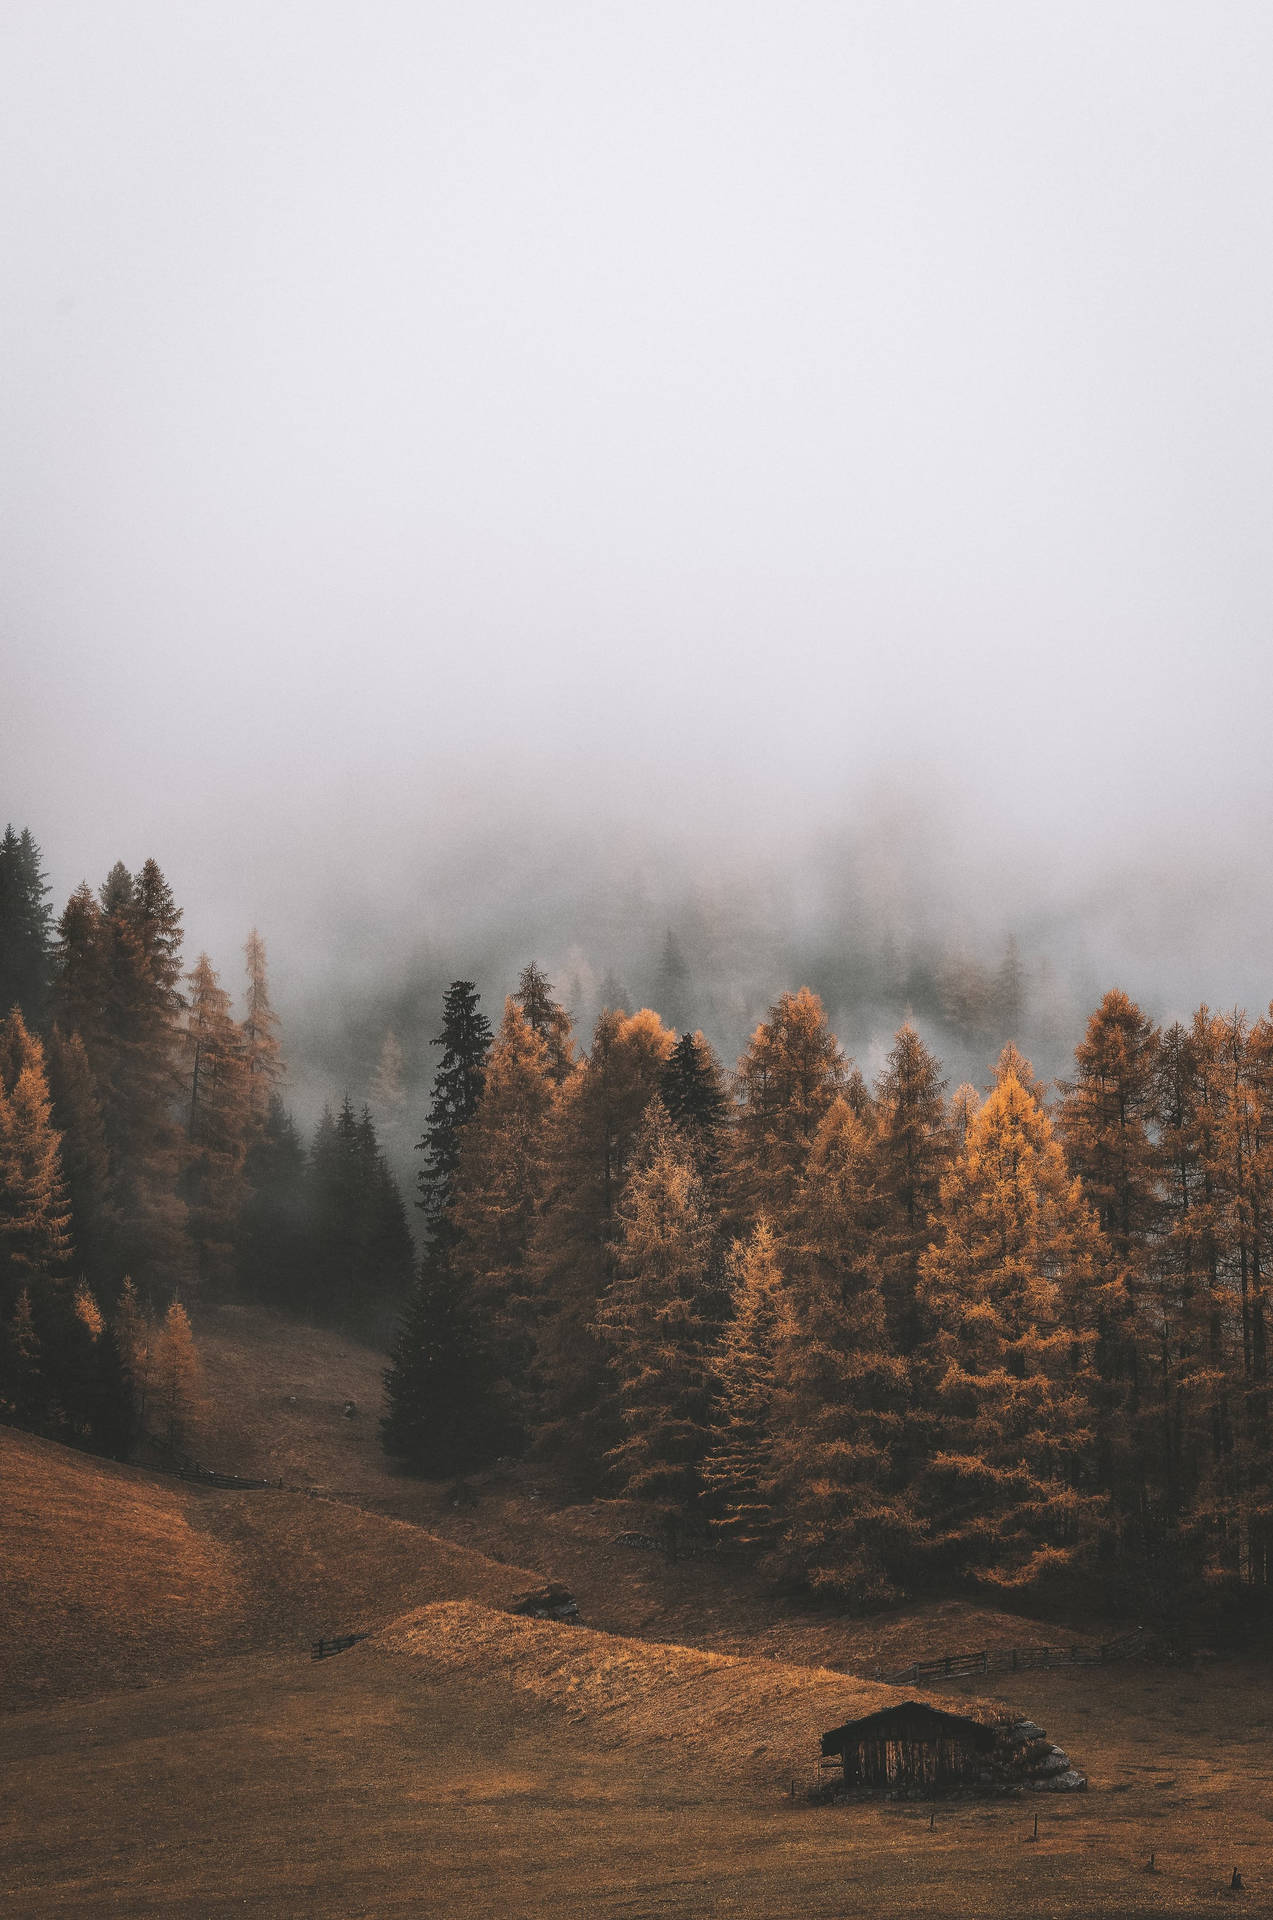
<point x="1023" y="1756"/>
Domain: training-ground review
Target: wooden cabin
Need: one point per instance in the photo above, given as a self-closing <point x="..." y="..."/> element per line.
<point x="910" y="1746"/>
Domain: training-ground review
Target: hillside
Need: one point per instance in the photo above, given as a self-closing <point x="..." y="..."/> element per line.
<point x="754" y="1717"/>
<point x="280" y="1389"/>
<point x="112" y="1575"/>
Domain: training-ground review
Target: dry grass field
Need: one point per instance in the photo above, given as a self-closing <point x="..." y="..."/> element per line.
<point x="170" y="1750"/>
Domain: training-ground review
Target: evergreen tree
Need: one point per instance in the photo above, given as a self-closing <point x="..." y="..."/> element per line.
<point x="674" y="985"/>
<point x="543" y="1016"/>
<point x="465" y="1041"/>
<point x="738" y="1472"/>
<point x="25" y="928"/>
<point x="276" y="1252"/>
<point x="660" y="1318"/>
<point x="362" y="1255"/>
<point x="24" y="1399"/>
<point x="118" y="986"/>
<point x="1011" y="1489"/>
<point x="693" y="1092"/>
<point x="438" y="1385"/>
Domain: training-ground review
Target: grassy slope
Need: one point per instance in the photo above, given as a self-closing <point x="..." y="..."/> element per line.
<point x="280" y="1388"/>
<point x="365" y="1785"/>
<point x="111" y="1575"/>
<point x="465" y="1763"/>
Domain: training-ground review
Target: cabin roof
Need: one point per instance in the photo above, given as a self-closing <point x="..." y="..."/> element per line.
<point x="911" y="1717"/>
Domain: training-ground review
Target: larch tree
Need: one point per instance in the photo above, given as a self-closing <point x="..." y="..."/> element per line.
<point x="387" y="1094"/>
<point x="1011" y="1487"/>
<point x="738" y="1471"/>
<point x="499" y="1192"/>
<point x="178" y="1400"/>
<point x="261" y="1047"/>
<point x="79" y="1117"/>
<point x="547" y="1019"/>
<point x="913" y="1150"/>
<point x="1108" y="1120"/>
<point x="841" y="1405"/>
<point x="660" y="1319"/>
<point x="35" y="1213"/>
<point x="220" y="1119"/>
<point x="590" y="1137"/>
<point x="789" y="1076"/>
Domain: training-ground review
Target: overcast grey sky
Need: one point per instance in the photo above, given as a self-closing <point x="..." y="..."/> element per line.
<point x="690" y="414"/>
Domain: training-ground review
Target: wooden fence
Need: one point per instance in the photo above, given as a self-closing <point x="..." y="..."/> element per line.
<point x="1018" y="1660"/>
<point x="322" y="1649"/>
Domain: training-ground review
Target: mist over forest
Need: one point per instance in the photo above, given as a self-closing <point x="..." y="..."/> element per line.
<point x="908" y="908"/>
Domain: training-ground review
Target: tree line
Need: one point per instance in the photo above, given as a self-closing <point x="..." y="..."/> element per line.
<point x="147" y="1156"/>
<point x="884" y="1337"/>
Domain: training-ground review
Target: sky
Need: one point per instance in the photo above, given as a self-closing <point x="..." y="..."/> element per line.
<point x="460" y="458"/>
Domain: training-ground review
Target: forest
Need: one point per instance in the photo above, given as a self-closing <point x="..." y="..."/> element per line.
<point x="884" y="1338"/>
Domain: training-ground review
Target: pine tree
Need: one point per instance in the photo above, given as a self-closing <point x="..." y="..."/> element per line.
<point x="25" y="928"/>
<point x="117" y="985"/>
<point x="276" y="1253"/>
<point x="841" y="1475"/>
<point x="24" y="1398"/>
<point x="674" y="987"/>
<point x="693" y="1092"/>
<point x="438" y="1385"/>
<point x="465" y="1041"/>
<point x="261" y="1048"/>
<point x="738" y="1471"/>
<point x="660" y="1318"/>
<point x="543" y="1016"/>
<point x="362" y="1258"/>
<point x="1010" y="1489"/>
<point x="787" y="1079"/>
<point x="499" y="1191"/>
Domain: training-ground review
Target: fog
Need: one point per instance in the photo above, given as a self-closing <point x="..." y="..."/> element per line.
<point x="493" y="481"/>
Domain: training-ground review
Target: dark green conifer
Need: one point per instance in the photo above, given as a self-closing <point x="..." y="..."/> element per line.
<point x="25" y="928"/>
<point x="465" y="1041"/>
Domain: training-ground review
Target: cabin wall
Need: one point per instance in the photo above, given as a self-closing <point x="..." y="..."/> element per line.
<point x="941" y="1762"/>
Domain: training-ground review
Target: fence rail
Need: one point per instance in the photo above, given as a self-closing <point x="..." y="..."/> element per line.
<point x="1019" y="1660"/>
<point x="322" y="1649"/>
